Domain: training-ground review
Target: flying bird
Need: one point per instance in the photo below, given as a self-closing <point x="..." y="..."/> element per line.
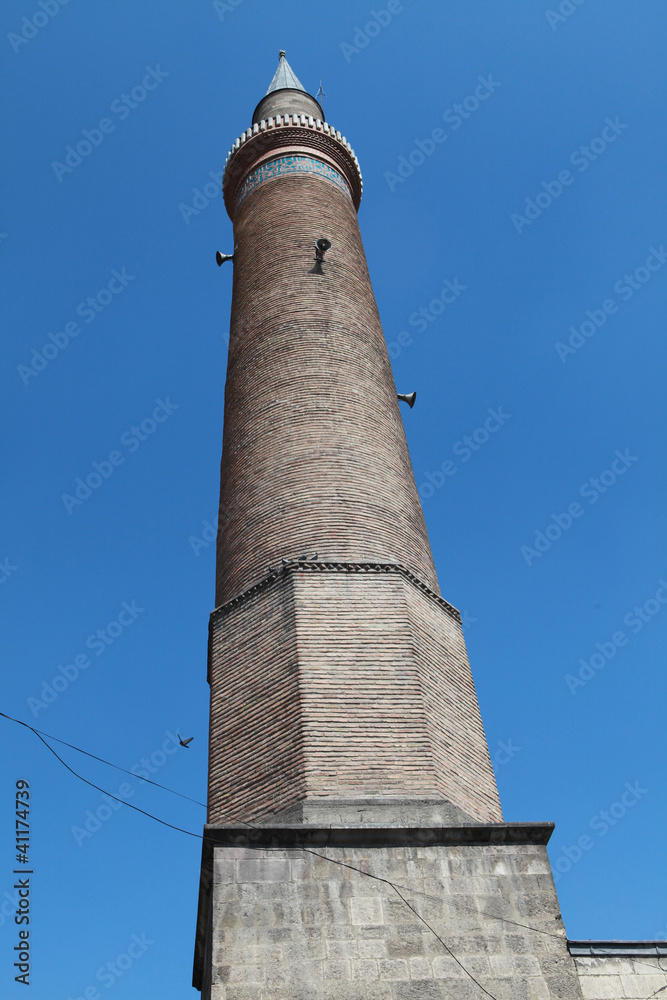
<point x="184" y="743"/>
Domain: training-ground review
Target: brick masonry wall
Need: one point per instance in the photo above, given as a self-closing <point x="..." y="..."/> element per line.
<point x="630" y="977"/>
<point x="255" y="735"/>
<point x="362" y="705"/>
<point x="290" y="925"/>
<point x="454" y="723"/>
<point x="314" y="451"/>
<point x="328" y="683"/>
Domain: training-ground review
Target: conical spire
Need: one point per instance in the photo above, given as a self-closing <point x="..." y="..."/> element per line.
<point x="284" y="78"/>
<point x="286" y="96"/>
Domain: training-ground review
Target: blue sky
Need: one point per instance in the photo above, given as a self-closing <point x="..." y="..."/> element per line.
<point x="541" y="200"/>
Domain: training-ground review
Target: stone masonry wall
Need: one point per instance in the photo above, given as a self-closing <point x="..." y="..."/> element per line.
<point x="627" y="977"/>
<point x="290" y="925"/>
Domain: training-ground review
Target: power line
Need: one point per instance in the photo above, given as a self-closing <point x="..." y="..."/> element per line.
<point x="410" y="907"/>
<point x="417" y="892"/>
<point x="306" y="850"/>
<point x="111" y="796"/>
<point x="199" y="836"/>
<point x="157" y="784"/>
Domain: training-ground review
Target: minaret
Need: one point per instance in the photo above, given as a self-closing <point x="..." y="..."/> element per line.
<point x="343" y="711"/>
<point x="343" y="677"/>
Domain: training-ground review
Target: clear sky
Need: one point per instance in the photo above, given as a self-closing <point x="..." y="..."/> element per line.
<point x="514" y="222"/>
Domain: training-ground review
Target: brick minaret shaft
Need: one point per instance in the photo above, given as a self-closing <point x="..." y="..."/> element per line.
<point x="314" y="452"/>
<point x="344" y="678"/>
<point x="345" y="738"/>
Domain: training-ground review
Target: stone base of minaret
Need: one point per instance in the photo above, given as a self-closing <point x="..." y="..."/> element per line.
<point x="400" y="910"/>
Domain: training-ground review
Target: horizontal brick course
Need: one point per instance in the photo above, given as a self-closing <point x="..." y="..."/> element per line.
<point x="330" y="685"/>
<point x="314" y="451"/>
<point x="341" y="689"/>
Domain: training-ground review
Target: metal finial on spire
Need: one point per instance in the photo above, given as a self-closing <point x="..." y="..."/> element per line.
<point x="284" y="78"/>
<point x="320" y="92"/>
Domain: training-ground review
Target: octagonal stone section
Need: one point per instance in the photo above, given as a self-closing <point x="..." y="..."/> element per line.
<point x="338" y="684"/>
